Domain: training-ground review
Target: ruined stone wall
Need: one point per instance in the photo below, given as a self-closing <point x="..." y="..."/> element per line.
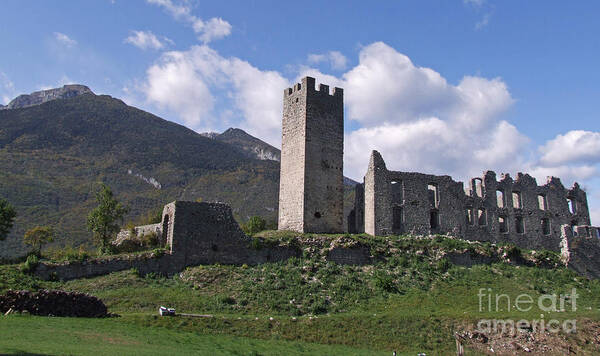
<point x="311" y="182"/>
<point x="195" y="234"/>
<point x="139" y="231"/>
<point x="580" y="249"/>
<point x="514" y="211"/>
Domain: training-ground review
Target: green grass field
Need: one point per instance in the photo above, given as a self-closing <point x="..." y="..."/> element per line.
<point x="70" y="336"/>
<point x="410" y="302"/>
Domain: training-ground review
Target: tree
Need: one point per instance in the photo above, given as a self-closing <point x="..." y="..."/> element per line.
<point x="104" y="220"/>
<point x="37" y="237"/>
<point x="7" y="217"/>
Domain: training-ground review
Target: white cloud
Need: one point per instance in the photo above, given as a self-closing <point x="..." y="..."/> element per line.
<point x="184" y="83"/>
<point x="336" y="59"/>
<point x="573" y="147"/>
<point x="146" y="40"/>
<point x="64" y="39"/>
<point x="420" y="122"/>
<point x="175" y="83"/>
<point x="213" y="29"/>
<point x="207" y="31"/>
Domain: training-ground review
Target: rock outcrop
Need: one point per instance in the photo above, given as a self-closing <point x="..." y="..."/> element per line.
<point x="40" y="97"/>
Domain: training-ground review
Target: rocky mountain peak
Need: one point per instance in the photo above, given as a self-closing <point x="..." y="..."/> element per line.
<point x="42" y="96"/>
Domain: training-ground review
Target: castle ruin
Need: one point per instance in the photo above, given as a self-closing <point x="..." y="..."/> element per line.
<point x="517" y="211"/>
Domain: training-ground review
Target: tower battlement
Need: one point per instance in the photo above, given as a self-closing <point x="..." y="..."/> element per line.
<point x="308" y="84"/>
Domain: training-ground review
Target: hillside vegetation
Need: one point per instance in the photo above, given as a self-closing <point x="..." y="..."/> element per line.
<point x="53" y="155"/>
<point x="412" y="300"/>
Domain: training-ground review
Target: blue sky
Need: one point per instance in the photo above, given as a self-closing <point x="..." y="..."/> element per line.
<point x="445" y="87"/>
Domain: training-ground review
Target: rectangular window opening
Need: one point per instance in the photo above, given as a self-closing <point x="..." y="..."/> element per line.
<point x="397" y="192"/>
<point x="542" y="203"/>
<point x="572" y="206"/>
<point x="574" y="227"/>
<point x="481" y="217"/>
<point x="546" y="226"/>
<point x="503" y="224"/>
<point x="500" y="198"/>
<point x="433" y="194"/>
<point x="517" y="202"/>
<point x="519" y="226"/>
<point x="469" y="216"/>
<point x="478" y="187"/>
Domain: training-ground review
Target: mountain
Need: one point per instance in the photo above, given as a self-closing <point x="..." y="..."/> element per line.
<point x="53" y="155"/>
<point x="252" y="146"/>
<point x="40" y="97"/>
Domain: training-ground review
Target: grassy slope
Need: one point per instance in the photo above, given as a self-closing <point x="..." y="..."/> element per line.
<point x="60" y="336"/>
<point x="411" y="302"/>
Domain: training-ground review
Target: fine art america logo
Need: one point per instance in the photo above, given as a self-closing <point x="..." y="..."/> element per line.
<point x="546" y="303"/>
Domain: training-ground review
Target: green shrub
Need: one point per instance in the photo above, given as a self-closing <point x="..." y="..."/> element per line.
<point x="159" y="252"/>
<point x="254" y="225"/>
<point x="30" y="264"/>
<point x="68" y="253"/>
<point x="150" y="239"/>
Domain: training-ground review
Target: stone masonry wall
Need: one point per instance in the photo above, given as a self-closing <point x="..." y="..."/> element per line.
<point x="311" y="181"/>
<point x="580" y="249"/>
<point x="515" y="211"/>
<point x="195" y="234"/>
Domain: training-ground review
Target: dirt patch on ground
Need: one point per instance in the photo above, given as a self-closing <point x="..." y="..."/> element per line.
<point x="584" y="341"/>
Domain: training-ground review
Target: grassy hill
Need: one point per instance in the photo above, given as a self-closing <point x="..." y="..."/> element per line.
<point x="411" y="301"/>
<point x="53" y="155"/>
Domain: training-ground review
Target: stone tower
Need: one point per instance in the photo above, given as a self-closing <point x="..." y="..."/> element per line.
<point x="311" y="182"/>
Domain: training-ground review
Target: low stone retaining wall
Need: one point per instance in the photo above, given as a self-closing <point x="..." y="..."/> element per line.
<point x="360" y="255"/>
<point x="167" y="264"/>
